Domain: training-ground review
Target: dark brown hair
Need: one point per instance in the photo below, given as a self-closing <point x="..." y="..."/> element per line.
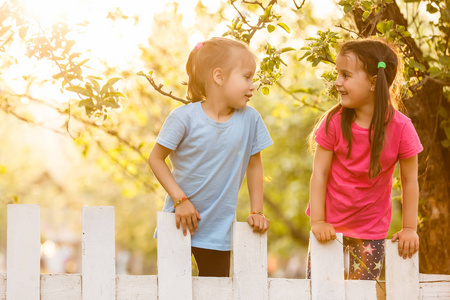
<point x="204" y="58"/>
<point x="370" y="52"/>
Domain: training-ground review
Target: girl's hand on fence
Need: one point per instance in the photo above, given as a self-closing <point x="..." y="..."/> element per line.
<point x="323" y="231"/>
<point x="259" y="223"/>
<point x="187" y="216"/>
<point x="408" y="242"/>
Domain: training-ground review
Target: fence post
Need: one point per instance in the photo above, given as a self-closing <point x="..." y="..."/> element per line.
<point x="249" y="263"/>
<point x="327" y="269"/>
<point x="402" y="275"/>
<point x="174" y="260"/>
<point x="98" y="253"/>
<point x="23" y="252"/>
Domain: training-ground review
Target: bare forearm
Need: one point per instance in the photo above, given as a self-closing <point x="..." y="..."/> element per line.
<point x="165" y="177"/>
<point x="255" y="182"/>
<point x="317" y="197"/>
<point x="410" y="198"/>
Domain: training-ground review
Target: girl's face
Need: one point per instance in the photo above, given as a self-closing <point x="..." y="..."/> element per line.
<point x="238" y="86"/>
<point x="355" y="87"/>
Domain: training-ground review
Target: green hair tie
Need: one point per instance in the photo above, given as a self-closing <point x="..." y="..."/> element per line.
<point x="381" y="65"/>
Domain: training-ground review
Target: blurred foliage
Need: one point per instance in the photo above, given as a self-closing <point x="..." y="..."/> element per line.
<point x="92" y="149"/>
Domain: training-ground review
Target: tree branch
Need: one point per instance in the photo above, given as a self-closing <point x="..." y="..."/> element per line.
<point x="299" y="6"/>
<point x="297" y="99"/>
<point x="158" y="88"/>
<point x="375" y="21"/>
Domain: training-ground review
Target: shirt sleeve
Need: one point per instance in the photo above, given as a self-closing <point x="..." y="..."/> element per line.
<point x="409" y="142"/>
<point x="262" y="137"/>
<point x="326" y="137"/>
<point x="171" y="132"/>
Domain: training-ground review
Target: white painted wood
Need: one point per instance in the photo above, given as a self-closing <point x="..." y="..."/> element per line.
<point x="292" y="289"/>
<point x="360" y="290"/>
<point x="98" y="253"/>
<point x="249" y="263"/>
<point x="61" y="286"/>
<point x="23" y="251"/>
<point x="433" y="277"/>
<point x="327" y="269"/>
<point x="2" y="286"/>
<point x="174" y="260"/>
<point x="137" y="287"/>
<point x="402" y="275"/>
<point x="217" y="288"/>
<point x="434" y="286"/>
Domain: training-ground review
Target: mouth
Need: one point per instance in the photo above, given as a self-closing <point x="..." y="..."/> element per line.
<point x="248" y="96"/>
<point x="342" y="93"/>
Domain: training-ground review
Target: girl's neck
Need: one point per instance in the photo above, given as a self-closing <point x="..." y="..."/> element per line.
<point x="363" y="117"/>
<point x="216" y="110"/>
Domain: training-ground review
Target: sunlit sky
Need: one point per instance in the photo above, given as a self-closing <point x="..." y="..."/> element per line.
<point x="127" y="32"/>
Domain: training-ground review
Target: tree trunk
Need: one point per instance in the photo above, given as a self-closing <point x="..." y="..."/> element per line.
<point x="434" y="161"/>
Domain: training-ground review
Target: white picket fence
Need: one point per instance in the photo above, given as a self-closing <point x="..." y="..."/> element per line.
<point x="174" y="281"/>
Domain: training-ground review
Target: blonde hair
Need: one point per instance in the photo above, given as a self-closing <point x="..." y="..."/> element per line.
<point x="204" y="58"/>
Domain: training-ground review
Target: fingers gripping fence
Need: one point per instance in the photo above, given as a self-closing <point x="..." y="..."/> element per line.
<point x="174" y="281"/>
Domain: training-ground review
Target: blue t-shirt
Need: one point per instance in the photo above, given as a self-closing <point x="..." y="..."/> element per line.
<point x="209" y="162"/>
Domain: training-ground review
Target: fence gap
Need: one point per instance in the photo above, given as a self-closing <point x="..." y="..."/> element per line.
<point x="327" y="269"/>
<point x="402" y="275"/>
<point x="98" y="253"/>
<point x="23" y="251"/>
<point x="174" y="260"/>
<point x="249" y="263"/>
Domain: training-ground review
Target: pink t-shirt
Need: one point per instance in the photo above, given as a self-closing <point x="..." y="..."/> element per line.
<point x="356" y="205"/>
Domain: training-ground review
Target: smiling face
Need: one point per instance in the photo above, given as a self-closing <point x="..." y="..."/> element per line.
<point x="238" y="85"/>
<point x="356" y="89"/>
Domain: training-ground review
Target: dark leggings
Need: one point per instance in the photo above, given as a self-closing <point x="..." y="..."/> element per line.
<point x="370" y="252"/>
<point x="212" y="263"/>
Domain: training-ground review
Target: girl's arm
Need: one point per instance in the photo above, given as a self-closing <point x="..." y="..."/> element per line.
<point x="185" y="212"/>
<point x="255" y="189"/>
<point x="408" y="240"/>
<point x="318" y="187"/>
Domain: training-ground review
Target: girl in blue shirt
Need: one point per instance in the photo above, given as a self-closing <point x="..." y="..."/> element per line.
<point x="212" y="144"/>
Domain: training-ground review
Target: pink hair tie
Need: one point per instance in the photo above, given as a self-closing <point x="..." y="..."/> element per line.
<point x="199" y="45"/>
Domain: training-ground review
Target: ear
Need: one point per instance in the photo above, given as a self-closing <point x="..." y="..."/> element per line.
<point x="373" y="82"/>
<point x="218" y="76"/>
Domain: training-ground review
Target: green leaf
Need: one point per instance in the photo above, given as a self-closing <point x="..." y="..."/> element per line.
<point x="270" y="28"/>
<point x="348" y="8"/>
<point x="445" y="143"/>
<point x="265" y="90"/>
<point x="79" y="90"/>
<point x="285" y="27"/>
<point x="380" y="26"/>
<point x="287" y="49"/>
<point x="86" y="103"/>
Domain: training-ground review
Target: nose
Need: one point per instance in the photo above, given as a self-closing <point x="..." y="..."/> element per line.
<point x="338" y="81"/>
<point x="252" y="86"/>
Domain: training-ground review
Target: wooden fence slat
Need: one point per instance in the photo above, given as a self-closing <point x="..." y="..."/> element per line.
<point x="61" y="286"/>
<point x="360" y="290"/>
<point x="327" y="269"/>
<point x="217" y="288"/>
<point x="402" y="275"/>
<point x="98" y="253"/>
<point x="137" y="287"/>
<point x="174" y="260"/>
<point x="23" y="250"/>
<point x="292" y="289"/>
<point x="2" y="286"/>
<point x="249" y="263"/>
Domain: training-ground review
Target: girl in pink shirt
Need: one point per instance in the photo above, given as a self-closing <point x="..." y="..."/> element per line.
<point x="357" y="145"/>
